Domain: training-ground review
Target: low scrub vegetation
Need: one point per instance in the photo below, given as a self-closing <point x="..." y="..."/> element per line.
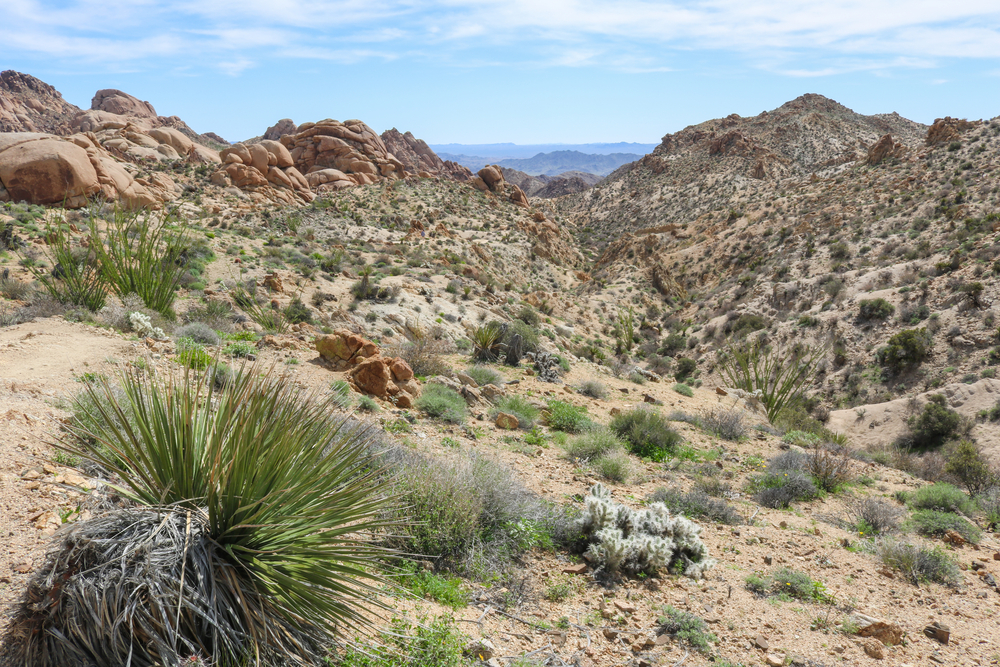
<point x="918" y="564"/>
<point x="442" y="402"/>
<point x="697" y="504"/>
<point x="647" y="433"/>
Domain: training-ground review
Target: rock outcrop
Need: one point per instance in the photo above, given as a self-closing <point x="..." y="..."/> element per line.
<point x="347" y="154"/>
<point x="264" y="169"/>
<point x="280" y="129"/>
<point x="122" y="104"/>
<point x="28" y="104"/>
<point x="369" y="372"/>
<point x="947" y="129"/>
<point x="885" y="148"/>
<point x="46" y="169"/>
<point x="490" y="179"/>
<point x="418" y="158"/>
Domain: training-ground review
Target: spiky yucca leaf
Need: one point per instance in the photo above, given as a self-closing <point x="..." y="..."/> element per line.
<point x="284" y="487"/>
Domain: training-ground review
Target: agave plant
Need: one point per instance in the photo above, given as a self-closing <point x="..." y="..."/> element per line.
<point x="486" y="341"/>
<point x="248" y="537"/>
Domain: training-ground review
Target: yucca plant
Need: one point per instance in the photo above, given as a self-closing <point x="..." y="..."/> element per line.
<point x="486" y="341"/>
<point x="247" y="541"/>
<point x="141" y="256"/>
<point x="777" y="375"/>
<point x="76" y="276"/>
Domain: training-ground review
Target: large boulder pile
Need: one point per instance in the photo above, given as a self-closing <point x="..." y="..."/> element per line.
<point x="334" y="155"/>
<point x="419" y="159"/>
<point x="280" y="129"/>
<point x="46" y="169"/>
<point x="490" y="179"/>
<point x="947" y="129"/>
<point x="28" y="104"/>
<point x="122" y="104"/>
<point x="264" y="169"/>
<point x="388" y="378"/>
<point x="885" y="148"/>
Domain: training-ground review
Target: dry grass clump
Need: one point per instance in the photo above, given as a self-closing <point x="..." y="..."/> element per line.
<point x="424" y="356"/>
<point x="726" y="423"/>
<point x="872" y="516"/>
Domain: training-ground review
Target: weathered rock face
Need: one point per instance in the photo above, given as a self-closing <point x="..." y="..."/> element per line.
<point x="45" y="169"/>
<point x="264" y="169"/>
<point x="370" y="373"/>
<point x="885" y="148"/>
<point x="947" y="129"/>
<point x="350" y="150"/>
<point x="28" y="104"/>
<point x="123" y="104"/>
<point x="345" y="348"/>
<point x="280" y="129"/>
<point x="418" y="158"/>
<point x="490" y="179"/>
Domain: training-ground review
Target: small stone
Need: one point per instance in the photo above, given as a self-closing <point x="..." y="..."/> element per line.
<point x="22" y="568"/>
<point x="662" y="639"/>
<point x="774" y="660"/>
<point x="874" y="649"/>
<point x="721" y="392"/>
<point x="506" y="421"/>
<point x="761" y="642"/>
<point x="996" y="556"/>
<point x="768" y="560"/>
<point x="625" y="608"/>
<point x="579" y="568"/>
<point x="611" y="634"/>
<point x="938" y="631"/>
<point x="482" y="649"/>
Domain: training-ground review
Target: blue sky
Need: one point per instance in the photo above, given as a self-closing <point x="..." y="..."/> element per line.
<point x="525" y="71"/>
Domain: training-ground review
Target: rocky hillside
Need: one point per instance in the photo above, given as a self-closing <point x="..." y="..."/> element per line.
<point x="550" y="187"/>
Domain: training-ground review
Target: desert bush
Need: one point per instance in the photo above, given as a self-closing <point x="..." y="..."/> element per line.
<point x="272" y="321"/>
<point x="685" y="628"/>
<point x="563" y="416"/>
<point x="745" y="324"/>
<point x="620" y="539"/>
<point x="792" y="583"/>
<point x="442" y="402"/>
<point x="367" y="404"/>
<point x="941" y="496"/>
<point x="434" y="641"/>
<point x="685" y="368"/>
<point x="777" y="376"/>
<point x="16" y="290"/>
<point x="779" y="491"/>
<point x="226" y="561"/>
<point x="593" y="444"/>
<point x="297" y="312"/>
<point x="684" y="390"/>
<point x="343" y="395"/>
<point x="905" y="350"/>
<point x="969" y="465"/>
<point x="870" y="310"/>
<point x="726" y="423"/>
<point x="698" y="504"/>
<point x="424" y="356"/>
<point x="198" y="332"/>
<point x="935" y="424"/>
<point x="367" y="288"/>
<point x="829" y="469"/>
<point x="528" y="315"/>
<point x="647" y="433"/>
<point x="802" y="439"/>
<point x="191" y="354"/>
<point x="487" y="342"/>
<point x="593" y="389"/>
<point x="518" y="406"/>
<point x="918" y="564"/>
<point x="470" y="512"/>
<point x="615" y="466"/>
<point x="989" y="504"/>
<point x="937" y="524"/>
<point x="872" y="516"/>
<point x="484" y="375"/>
<point x="77" y="276"/>
<point x="216" y="314"/>
<point x="240" y="348"/>
<point x="673" y="343"/>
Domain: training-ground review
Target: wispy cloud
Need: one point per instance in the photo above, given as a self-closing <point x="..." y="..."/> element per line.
<point x="799" y="38"/>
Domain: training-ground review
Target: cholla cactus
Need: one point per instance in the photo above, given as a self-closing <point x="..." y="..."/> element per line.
<point x="647" y="540"/>
<point x="144" y="327"/>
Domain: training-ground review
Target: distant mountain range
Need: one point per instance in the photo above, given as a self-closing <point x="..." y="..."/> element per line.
<point x="501" y="151"/>
<point x="549" y="164"/>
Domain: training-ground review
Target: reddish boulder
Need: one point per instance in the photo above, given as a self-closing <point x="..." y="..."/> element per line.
<point x="345" y="346"/>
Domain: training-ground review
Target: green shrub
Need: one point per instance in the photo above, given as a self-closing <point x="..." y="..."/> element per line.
<point x="905" y="350"/>
<point x="686" y="628"/>
<point x="746" y="323"/>
<point x="428" y="585"/>
<point x="875" y="310"/>
<point x="256" y="548"/>
<point x="240" y="348"/>
<point x="647" y="433"/>
<point x="936" y="524"/>
<point x="685" y="368"/>
<point x="529" y="316"/>
<point x="439" y="401"/>
<point x="518" y="406"/>
<point x="593" y="444"/>
<point x="367" y="404"/>
<point x="563" y="416"/>
<point x="436" y="642"/>
<point x="790" y="583"/>
<point x="192" y="355"/>
<point x="198" y="332"/>
<point x="673" y="343"/>
<point x="615" y="466"/>
<point x="726" y="423"/>
<point x="343" y="394"/>
<point x="484" y="375"/>
<point x="684" y="390"/>
<point x="297" y="312"/>
<point x="918" y="564"/>
<point x="936" y="424"/>
<point x="697" y="504"/>
<point x="970" y="466"/>
<point x="942" y="497"/>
